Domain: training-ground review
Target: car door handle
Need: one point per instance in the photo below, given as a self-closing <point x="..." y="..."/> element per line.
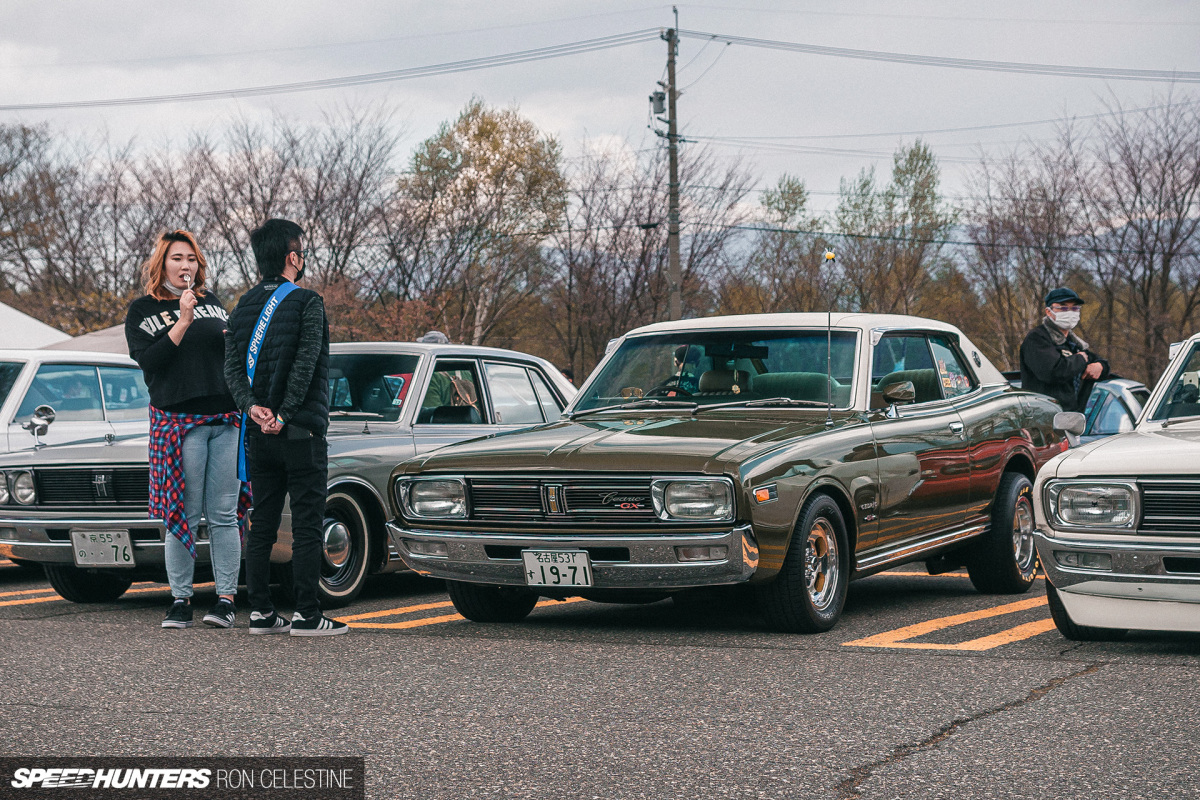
<point x="956" y="427"/>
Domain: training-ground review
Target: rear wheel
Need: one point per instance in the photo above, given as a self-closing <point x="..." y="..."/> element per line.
<point x="1004" y="560"/>
<point x="345" y="550"/>
<point x="1077" y="633"/>
<point x="80" y="586"/>
<point x="810" y="591"/>
<point x="482" y="603"/>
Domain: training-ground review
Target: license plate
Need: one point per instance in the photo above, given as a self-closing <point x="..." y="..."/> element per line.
<point x="557" y="567"/>
<point x="102" y="548"/>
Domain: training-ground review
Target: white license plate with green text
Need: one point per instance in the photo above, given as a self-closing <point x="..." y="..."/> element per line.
<point x="557" y="567"/>
<point x="102" y="548"/>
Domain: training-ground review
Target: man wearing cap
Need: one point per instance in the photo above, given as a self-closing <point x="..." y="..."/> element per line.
<point x="1056" y="362"/>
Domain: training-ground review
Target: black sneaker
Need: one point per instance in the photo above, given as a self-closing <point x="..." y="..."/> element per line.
<point x="268" y="623"/>
<point x="317" y="625"/>
<point x="180" y="614"/>
<point x="222" y="614"/>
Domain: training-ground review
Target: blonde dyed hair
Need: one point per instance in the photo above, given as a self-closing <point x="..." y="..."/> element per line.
<point x="154" y="271"/>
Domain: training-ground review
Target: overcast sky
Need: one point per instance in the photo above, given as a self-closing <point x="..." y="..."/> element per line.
<point x="51" y="51"/>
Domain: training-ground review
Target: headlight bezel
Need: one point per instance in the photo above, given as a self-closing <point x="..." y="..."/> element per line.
<point x="724" y="510"/>
<point x="404" y="490"/>
<point x="1053" y="491"/>
<point x="14" y="490"/>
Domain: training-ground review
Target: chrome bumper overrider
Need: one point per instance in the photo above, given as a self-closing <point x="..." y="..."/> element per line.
<point x="1138" y="593"/>
<point x="652" y="563"/>
<point x="29" y="539"/>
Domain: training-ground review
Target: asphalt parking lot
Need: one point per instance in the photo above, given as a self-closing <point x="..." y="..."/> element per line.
<point x="926" y="689"/>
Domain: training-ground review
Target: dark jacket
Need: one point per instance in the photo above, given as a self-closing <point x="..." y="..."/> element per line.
<point x="1052" y="363"/>
<point x="291" y="377"/>
<point x="188" y="377"/>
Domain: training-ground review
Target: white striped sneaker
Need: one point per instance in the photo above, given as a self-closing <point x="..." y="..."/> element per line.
<point x="261" y="623"/>
<point x="318" y="625"/>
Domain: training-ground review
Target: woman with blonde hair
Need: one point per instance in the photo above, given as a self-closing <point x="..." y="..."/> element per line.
<point x="176" y="334"/>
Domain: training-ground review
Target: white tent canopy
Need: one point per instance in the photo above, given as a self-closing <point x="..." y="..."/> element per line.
<point x="22" y="330"/>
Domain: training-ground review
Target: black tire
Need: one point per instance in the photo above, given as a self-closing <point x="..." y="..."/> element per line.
<point x="344" y="572"/>
<point x="1004" y="560"/>
<point x="483" y="603"/>
<point x="810" y="591"/>
<point x="1077" y="633"/>
<point x="80" y="586"/>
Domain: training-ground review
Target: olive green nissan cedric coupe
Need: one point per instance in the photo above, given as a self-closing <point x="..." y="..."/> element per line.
<point x="790" y="452"/>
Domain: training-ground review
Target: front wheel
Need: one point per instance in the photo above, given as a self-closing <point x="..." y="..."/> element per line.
<point x="481" y="603"/>
<point x="80" y="586"/>
<point x="810" y="591"/>
<point x="1004" y="560"/>
<point x="1077" y="633"/>
<point x="345" y="550"/>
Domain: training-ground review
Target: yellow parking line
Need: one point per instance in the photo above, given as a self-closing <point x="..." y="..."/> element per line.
<point x="26" y="591"/>
<point x="942" y="575"/>
<point x="899" y="638"/>
<point x="419" y="623"/>
<point x="391" y="612"/>
<point x="29" y="600"/>
<point x="411" y="623"/>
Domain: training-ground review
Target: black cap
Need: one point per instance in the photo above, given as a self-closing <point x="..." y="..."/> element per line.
<point x="1062" y="295"/>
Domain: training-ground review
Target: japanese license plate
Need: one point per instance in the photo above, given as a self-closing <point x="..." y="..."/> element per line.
<point x="102" y="548"/>
<point x="557" y="567"/>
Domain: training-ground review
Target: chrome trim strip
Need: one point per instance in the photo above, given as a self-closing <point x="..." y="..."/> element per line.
<point x="870" y="560"/>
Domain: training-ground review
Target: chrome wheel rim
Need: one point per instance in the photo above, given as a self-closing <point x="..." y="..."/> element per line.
<point x="1023" y="546"/>
<point x="821" y="564"/>
<point x="336" y="544"/>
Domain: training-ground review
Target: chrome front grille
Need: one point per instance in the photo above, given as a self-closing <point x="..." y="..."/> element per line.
<point x="561" y="498"/>
<point x="1170" y="507"/>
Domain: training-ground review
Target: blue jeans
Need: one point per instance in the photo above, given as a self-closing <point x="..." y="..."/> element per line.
<point x="210" y="490"/>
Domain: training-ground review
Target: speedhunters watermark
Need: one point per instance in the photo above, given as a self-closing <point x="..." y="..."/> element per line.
<point x="299" y="778"/>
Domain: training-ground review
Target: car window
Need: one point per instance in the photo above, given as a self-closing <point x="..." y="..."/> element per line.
<point x="369" y="385"/>
<point x="954" y="377"/>
<point x="514" y="401"/>
<point x="72" y="390"/>
<point x="125" y="393"/>
<point x="9" y="370"/>
<point x="1182" y="398"/>
<point x="1111" y="418"/>
<point x="1141" y="395"/>
<point x="903" y="357"/>
<point x="453" y="395"/>
<point x="551" y="407"/>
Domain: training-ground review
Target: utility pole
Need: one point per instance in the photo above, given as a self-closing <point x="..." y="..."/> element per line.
<point x="674" y="273"/>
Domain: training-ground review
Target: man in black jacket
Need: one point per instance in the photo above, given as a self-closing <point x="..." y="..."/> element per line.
<point x="1056" y="362"/>
<point x="288" y="405"/>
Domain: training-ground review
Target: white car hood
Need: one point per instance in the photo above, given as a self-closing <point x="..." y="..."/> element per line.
<point x="1141" y="453"/>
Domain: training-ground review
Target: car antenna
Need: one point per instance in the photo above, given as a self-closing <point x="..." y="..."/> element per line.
<point x="831" y="259"/>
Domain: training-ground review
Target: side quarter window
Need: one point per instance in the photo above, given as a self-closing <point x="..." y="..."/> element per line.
<point x="952" y="373"/>
<point x="551" y="406"/>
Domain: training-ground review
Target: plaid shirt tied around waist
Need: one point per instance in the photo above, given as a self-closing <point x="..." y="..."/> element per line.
<point x="166" y="471"/>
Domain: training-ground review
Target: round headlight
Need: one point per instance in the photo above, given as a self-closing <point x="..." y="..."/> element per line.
<point x="1094" y="505"/>
<point x="22" y="488"/>
<point x="4" y="496"/>
<point x="438" y="498"/>
<point x="709" y="501"/>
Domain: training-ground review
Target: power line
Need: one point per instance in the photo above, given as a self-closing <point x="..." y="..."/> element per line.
<point x="451" y="67"/>
<point x="1106" y="73"/>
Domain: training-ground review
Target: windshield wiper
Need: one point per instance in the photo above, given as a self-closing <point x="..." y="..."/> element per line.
<point x="646" y="403"/>
<point x="1168" y="422"/>
<point x="770" y="401"/>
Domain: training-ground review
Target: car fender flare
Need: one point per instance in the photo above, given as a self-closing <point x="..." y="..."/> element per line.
<point x="832" y="487"/>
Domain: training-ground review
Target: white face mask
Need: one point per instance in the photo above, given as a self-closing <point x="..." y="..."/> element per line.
<point x="1066" y="319"/>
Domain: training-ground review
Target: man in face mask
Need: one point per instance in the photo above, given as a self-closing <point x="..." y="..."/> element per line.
<point x="1055" y="361"/>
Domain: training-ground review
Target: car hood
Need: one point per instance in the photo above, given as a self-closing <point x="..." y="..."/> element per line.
<point x="1169" y="451"/>
<point x="132" y="449"/>
<point x="663" y="444"/>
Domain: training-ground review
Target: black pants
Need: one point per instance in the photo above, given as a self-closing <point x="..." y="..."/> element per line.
<point x="296" y="468"/>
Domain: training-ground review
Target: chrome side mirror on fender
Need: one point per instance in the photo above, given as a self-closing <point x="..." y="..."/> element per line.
<point x="1071" y="424"/>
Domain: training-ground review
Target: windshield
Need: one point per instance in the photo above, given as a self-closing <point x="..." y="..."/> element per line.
<point x="1183" y="396"/>
<point x="720" y="366"/>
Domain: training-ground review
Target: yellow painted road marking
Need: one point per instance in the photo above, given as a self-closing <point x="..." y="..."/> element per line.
<point x="419" y="623"/>
<point x="29" y="600"/>
<point x="943" y="575"/>
<point x="137" y="588"/>
<point x="26" y="591"/>
<point x="899" y="638"/>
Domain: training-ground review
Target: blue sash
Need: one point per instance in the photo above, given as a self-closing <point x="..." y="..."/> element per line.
<point x="260" y="333"/>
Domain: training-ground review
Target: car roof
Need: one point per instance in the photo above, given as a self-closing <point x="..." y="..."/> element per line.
<point x="421" y="348"/>
<point x="65" y="356"/>
<point x="864" y="322"/>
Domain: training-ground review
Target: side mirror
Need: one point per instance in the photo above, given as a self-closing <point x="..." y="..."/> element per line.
<point x="902" y="392"/>
<point x="39" y="423"/>
<point x="1071" y="424"/>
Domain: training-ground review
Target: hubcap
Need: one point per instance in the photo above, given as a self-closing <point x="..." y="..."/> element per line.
<point x="821" y="564"/>
<point x="1023" y="547"/>
<point x="336" y="543"/>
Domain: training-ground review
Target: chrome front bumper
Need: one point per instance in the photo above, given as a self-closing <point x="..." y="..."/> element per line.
<point x="46" y="539"/>
<point x="1138" y="593"/>
<point x="652" y="564"/>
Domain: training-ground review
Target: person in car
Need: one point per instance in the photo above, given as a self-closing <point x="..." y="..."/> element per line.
<point x="1054" y="360"/>
<point x="176" y="334"/>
